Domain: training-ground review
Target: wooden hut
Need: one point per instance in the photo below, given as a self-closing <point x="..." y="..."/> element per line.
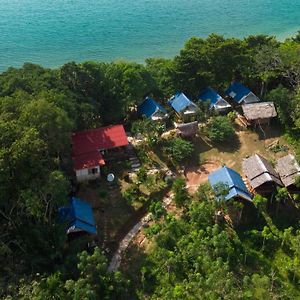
<point x="261" y="174"/>
<point x="187" y="130"/>
<point x="288" y="170"/>
<point x="259" y="113"/>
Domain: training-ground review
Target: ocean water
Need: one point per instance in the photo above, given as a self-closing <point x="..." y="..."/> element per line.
<point x="52" y="32"/>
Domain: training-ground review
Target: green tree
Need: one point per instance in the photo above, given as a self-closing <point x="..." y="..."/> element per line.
<point x="283" y="100"/>
<point x="52" y="123"/>
<point x="181" y="196"/>
<point x="178" y="150"/>
<point x="220" y="129"/>
<point x="94" y="281"/>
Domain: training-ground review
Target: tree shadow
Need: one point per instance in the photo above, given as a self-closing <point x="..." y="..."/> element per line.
<point x="229" y="146"/>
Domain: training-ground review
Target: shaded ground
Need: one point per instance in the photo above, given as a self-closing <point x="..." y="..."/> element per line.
<point x="110" y="210"/>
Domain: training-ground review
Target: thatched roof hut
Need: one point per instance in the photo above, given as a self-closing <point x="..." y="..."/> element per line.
<point x="260" y="112"/>
<point x="262" y="176"/>
<point x="288" y="169"/>
<point x="187" y="129"/>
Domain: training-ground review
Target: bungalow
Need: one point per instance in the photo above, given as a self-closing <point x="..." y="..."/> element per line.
<point x="79" y="217"/>
<point x="241" y="94"/>
<point x="231" y="180"/>
<point x="215" y="100"/>
<point x="91" y="148"/>
<point x="288" y="170"/>
<point x="187" y="130"/>
<point x="261" y="175"/>
<point x="259" y="113"/>
<point x="152" y="110"/>
<point x="183" y="105"/>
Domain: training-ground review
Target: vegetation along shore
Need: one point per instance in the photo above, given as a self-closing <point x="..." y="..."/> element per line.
<point x="173" y="179"/>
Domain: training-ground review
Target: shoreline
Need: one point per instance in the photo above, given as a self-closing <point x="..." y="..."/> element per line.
<point x="281" y="37"/>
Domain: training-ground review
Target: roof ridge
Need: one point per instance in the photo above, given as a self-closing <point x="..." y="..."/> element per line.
<point x="95" y="129"/>
<point x="260" y="162"/>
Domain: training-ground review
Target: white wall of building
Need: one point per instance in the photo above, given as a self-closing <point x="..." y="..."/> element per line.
<point x="84" y="174"/>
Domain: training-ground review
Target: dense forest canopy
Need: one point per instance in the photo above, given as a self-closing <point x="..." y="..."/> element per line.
<point x="40" y="108"/>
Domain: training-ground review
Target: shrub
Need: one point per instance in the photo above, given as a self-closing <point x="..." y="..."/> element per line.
<point x="180" y="192"/>
<point x="153" y="230"/>
<point x="220" y="129"/>
<point x="231" y="116"/>
<point x="131" y="194"/>
<point x="178" y="149"/>
<point x="157" y="210"/>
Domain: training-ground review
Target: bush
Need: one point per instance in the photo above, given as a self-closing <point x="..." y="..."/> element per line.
<point x="231" y="116"/>
<point x="178" y="149"/>
<point x="131" y="194"/>
<point x="157" y="210"/>
<point x="220" y="129"/>
<point x="180" y="192"/>
<point x="153" y="230"/>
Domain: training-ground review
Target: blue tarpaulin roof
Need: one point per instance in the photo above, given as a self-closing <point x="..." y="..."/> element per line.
<point x="79" y="214"/>
<point x="150" y="107"/>
<point x="237" y="91"/>
<point x="211" y="95"/>
<point x="180" y="102"/>
<point x="230" y="179"/>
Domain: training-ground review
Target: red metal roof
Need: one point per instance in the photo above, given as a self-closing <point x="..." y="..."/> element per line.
<point x="88" y="160"/>
<point x="86" y="144"/>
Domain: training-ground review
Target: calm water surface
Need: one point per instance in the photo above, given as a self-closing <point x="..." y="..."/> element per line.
<point x="52" y="32"/>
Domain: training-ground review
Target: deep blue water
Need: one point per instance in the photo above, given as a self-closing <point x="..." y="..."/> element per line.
<point x="52" y="32"/>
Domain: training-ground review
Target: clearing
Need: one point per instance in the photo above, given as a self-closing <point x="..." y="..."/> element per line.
<point x="231" y="154"/>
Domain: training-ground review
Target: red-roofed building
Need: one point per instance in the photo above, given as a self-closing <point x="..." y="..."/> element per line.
<point x="91" y="146"/>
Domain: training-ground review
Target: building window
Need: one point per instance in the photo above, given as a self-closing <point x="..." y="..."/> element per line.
<point x="93" y="171"/>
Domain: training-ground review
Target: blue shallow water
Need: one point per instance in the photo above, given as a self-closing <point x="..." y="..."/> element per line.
<point x="52" y="32"/>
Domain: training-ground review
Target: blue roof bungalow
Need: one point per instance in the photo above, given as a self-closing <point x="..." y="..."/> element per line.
<point x="152" y="110"/>
<point x="241" y="94"/>
<point x="232" y="181"/>
<point x="79" y="217"/>
<point x="182" y="104"/>
<point x="215" y="100"/>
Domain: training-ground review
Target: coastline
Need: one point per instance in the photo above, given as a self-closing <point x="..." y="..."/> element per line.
<point x="281" y="37"/>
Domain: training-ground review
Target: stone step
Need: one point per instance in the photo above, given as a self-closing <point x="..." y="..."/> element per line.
<point x="133" y="158"/>
<point x="135" y="162"/>
<point x="136" y="165"/>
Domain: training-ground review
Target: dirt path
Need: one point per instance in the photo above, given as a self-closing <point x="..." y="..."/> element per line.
<point x="198" y="175"/>
<point x="117" y="257"/>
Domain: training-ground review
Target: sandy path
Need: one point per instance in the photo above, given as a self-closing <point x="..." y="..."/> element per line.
<point x="117" y="257"/>
<point x="198" y="175"/>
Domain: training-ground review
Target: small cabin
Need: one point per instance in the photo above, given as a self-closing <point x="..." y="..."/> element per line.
<point x="187" y="130"/>
<point x="182" y="105"/>
<point x="288" y="170"/>
<point x="231" y="180"/>
<point x="79" y="217"/>
<point x="234" y="191"/>
<point x="93" y="148"/>
<point x="241" y="94"/>
<point x="259" y="113"/>
<point x="261" y="175"/>
<point x="152" y="110"/>
<point x="215" y="100"/>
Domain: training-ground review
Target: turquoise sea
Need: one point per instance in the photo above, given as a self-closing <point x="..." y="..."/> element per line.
<point x="52" y="32"/>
